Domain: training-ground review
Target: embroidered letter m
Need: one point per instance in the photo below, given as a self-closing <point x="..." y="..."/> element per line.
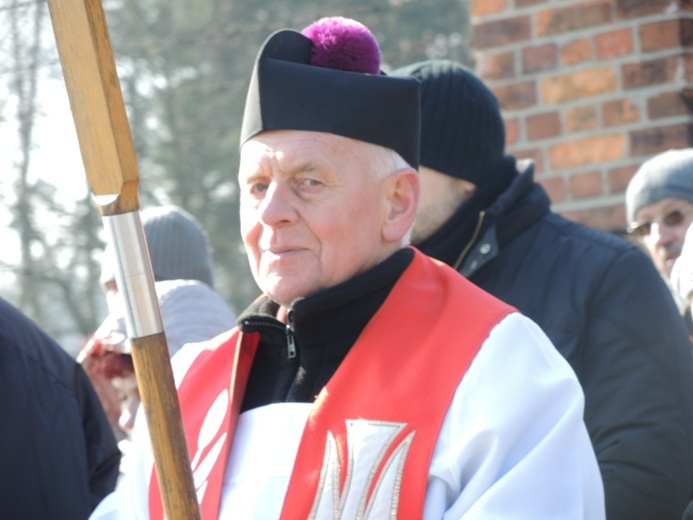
<point x="372" y="484"/>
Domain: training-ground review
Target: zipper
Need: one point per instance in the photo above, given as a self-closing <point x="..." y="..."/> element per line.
<point x="464" y="252"/>
<point x="290" y="339"/>
<point x="274" y="324"/>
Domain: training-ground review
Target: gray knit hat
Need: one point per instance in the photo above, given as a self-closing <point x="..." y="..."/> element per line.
<point x="177" y="244"/>
<point x="462" y="131"/>
<point x="669" y="174"/>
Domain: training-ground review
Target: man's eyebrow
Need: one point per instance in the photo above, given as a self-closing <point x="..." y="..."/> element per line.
<point x="306" y="167"/>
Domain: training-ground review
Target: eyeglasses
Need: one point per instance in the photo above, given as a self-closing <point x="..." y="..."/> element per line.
<point x="672" y="219"/>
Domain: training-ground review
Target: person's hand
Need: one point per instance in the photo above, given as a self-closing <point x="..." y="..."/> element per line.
<point x="682" y="271"/>
<point x="91" y="360"/>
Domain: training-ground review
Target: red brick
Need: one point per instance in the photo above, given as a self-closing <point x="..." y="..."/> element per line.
<point x="614" y="44"/>
<point x="527" y="3"/>
<point x="659" y="35"/>
<point x="688" y="66"/>
<point x="543" y="126"/>
<point x="512" y="130"/>
<point x="686" y="32"/>
<point x="580" y="16"/>
<point x="578" y="119"/>
<point x="588" y="150"/>
<point x="501" y="32"/>
<point x="586" y="184"/>
<point x="656" y="140"/>
<point x="541" y="57"/>
<point x="484" y="7"/>
<point x="620" y="177"/>
<point x="617" y="218"/>
<point x="639" y="8"/>
<point x="650" y="72"/>
<point x="576" y="51"/>
<point x="670" y="104"/>
<point x="496" y="66"/>
<point x="516" y="95"/>
<point x="606" y="218"/>
<point x="665" y="35"/>
<point x="619" y="112"/>
<point x="555" y="188"/>
<point x="579" y="84"/>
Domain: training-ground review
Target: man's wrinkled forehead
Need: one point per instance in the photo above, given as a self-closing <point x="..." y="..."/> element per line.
<point x="297" y="145"/>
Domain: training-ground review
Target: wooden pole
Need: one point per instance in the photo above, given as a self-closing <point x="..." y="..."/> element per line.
<point x="109" y="160"/>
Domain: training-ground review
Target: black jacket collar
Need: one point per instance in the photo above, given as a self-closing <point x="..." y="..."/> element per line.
<point x="474" y="233"/>
<point x="322" y="327"/>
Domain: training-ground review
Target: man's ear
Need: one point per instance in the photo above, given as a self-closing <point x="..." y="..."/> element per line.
<point x="402" y="197"/>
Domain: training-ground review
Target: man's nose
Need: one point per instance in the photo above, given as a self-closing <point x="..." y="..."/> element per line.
<point x="276" y="207"/>
<point x="661" y="233"/>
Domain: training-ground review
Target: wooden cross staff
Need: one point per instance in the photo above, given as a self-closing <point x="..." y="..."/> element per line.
<point x="109" y="160"/>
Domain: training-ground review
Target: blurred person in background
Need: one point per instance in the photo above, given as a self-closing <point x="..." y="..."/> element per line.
<point x="659" y="208"/>
<point x="191" y="310"/>
<point x="682" y="285"/>
<point x="597" y="297"/>
<point x="59" y="455"/>
<point x="659" y="205"/>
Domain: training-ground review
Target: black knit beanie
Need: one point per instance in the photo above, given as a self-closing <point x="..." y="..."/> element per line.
<point x="462" y="132"/>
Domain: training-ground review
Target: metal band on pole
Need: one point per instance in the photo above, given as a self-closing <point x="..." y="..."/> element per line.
<point x="133" y="274"/>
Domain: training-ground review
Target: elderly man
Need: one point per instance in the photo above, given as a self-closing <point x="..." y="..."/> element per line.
<point x="659" y="205"/>
<point x="368" y="381"/>
<point x="598" y="298"/>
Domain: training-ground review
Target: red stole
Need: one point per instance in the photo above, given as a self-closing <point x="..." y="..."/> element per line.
<point x="214" y="383"/>
<point x="404" y="368"/>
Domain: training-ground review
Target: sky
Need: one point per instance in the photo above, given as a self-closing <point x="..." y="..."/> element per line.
<point x="58" y="158"/>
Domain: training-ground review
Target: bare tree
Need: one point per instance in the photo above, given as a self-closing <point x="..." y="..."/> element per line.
<point x="57" y="273"/>
<point x="25" y="34"/>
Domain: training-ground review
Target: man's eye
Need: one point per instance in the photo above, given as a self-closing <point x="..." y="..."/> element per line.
<point x="310" y="182"/>
<point x="258" y="188"/>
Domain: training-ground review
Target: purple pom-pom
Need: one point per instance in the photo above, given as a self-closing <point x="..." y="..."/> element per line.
<point x="343" y="44"/>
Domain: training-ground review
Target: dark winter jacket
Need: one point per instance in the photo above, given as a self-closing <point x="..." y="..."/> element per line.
<point x="607" y="310"/>
<point x="59" y="456"/>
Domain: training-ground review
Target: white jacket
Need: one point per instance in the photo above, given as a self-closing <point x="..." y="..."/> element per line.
<point x="513" y="444"/>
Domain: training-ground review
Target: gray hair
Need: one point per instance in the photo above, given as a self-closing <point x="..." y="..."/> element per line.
<point x="385" y="162"/>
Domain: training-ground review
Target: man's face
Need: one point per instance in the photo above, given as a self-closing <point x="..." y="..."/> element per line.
<point x="662" y="226"/>
<point x="312" y="211"/>
<point x="441" y="196"/>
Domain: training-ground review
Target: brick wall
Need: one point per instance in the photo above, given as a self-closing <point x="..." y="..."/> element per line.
<point x="589" y="90"/>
